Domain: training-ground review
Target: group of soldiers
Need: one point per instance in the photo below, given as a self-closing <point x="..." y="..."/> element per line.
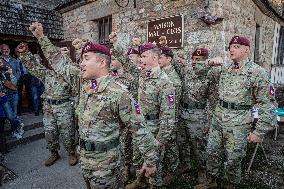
<point x="144" y="111"/>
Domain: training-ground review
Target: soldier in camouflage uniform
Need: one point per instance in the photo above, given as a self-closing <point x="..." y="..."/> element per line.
<point x="134" y="56"/>
<point x="242" y="84"/>
<point x="103" y="108"/>
<point x="171" y="160"/>
<point x="197" y="89"/>
<point x="156" y="96"/>
<point x="57" y="108"/>
<point x="126" y="81"/>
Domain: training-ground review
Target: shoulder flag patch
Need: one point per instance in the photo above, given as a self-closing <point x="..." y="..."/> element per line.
<point x="271" y="90"/>
<point x="94" y="84"/>
<point x="137" y="107"/>
<point x="171" y="99"/>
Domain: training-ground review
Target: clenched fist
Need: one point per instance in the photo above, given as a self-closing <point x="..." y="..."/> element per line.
<point x="36" y="29"/>
<point x="217" y="61"/>
<point x="22" y="48"/>
<point x="136" y="41"/>
<point x="163" y="41"/>
<point x="64" y="50"/>
<point x="113" y="37"/>
<point x="79" y="43"/>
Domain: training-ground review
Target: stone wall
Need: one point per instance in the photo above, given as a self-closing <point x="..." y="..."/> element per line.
<point x="240" y="18"/>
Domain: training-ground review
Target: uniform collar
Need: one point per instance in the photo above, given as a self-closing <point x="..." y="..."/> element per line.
<point x="119" y="72"/>
<point x="153" y="72"/>
<point x="102" y="83"/>
<point x="241" y="64"/>
<point x="99" y="85"/>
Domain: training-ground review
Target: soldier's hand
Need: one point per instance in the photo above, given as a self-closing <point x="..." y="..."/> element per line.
<point x="36" y="29"/>
<point x="253" y="138"/>
<point x="64" y="50"/>
<point x="77" y="43"/>
<point x="136" y="41"/>
<point x="113" y="37"/>
<point x="22" y="48"/>
<point x="217" y="61"/>
<point x="148" y="171"/>
<point x="163" y="41"/>
<point x="205" y="130"/>
<point x="2" y="94"/>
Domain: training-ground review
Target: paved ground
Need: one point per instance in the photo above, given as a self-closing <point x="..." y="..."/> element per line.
<point x="30" y="118"/>
<point x="27" y="162"/>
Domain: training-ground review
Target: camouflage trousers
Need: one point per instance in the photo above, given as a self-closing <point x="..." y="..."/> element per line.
<point x="168" y="160"/>
<point x="101" y="169"/>
<point x="232" y="140"/>
<point x="58" y="121"/>
<point x="126" y="152"/>
<point x="192" y="139"/>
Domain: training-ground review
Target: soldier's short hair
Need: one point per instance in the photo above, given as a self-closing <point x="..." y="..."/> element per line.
<point x="106" y="57"/>
<point x="156" y="50"/>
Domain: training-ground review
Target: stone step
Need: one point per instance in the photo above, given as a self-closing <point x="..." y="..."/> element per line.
<point x="29" y="136"/>
<point x="33" y="126"/>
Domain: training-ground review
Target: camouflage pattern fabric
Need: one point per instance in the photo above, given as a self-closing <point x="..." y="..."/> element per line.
<point x="171" y="157"/>
<point x="249" y="85"/>
<point x="103" y="108"/>
<point x="57" y="119"/>
<point x="194" y="116"/>
<point x="126" y="81"/>
<point x="156" y="95"/>
<point x="129" y="69"/>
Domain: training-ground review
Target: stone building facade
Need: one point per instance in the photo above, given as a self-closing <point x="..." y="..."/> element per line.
<point x="260" y="20"/>
<point x="129" y="19"/>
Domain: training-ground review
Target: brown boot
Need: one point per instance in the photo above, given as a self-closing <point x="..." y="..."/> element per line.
<point x="168" y="179"/>
<point x="201" y="176"/>
<point x="140" y="182"/>
<point x="72" y="159"/>
<point x="52" y="158"/>
<point x="209" y="183"/>
<point x="231" y="186"/>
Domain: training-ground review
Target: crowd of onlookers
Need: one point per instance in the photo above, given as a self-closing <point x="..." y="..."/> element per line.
<point x="14" y="78"/>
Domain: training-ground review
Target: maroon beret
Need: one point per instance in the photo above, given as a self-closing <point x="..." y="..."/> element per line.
<point x="96" y="48"/>
<point x="200" y="52"/>
<point x="132" y="51"/>
<point x="146" y="47"/>
<point x="240" y="40"/>
<point x="167" y="51"/>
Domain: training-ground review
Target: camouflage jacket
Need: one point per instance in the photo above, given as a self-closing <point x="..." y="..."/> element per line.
<point x="248" y="85"/>
<point x="156" y="95"/>
<point x="55" y="85"/>
<point x="175" y="79"/>
<point x="129" y="68"/>
<point x="104" y="108"/>
<point x="123" y="78"/>
<point x="198" y="100"/>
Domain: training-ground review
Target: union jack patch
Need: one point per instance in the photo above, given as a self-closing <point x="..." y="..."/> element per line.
<point x="137" y="108"/>
<point x="94" y="84"/>
<point x="171" y="99"/>
<point x="271" y="90"/>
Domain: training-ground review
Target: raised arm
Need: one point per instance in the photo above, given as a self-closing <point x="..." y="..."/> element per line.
<point x="61" y="63"/>
<point x="29" y="60"/>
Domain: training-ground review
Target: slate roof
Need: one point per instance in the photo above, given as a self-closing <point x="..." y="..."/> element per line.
<point x="15" y="19"/>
